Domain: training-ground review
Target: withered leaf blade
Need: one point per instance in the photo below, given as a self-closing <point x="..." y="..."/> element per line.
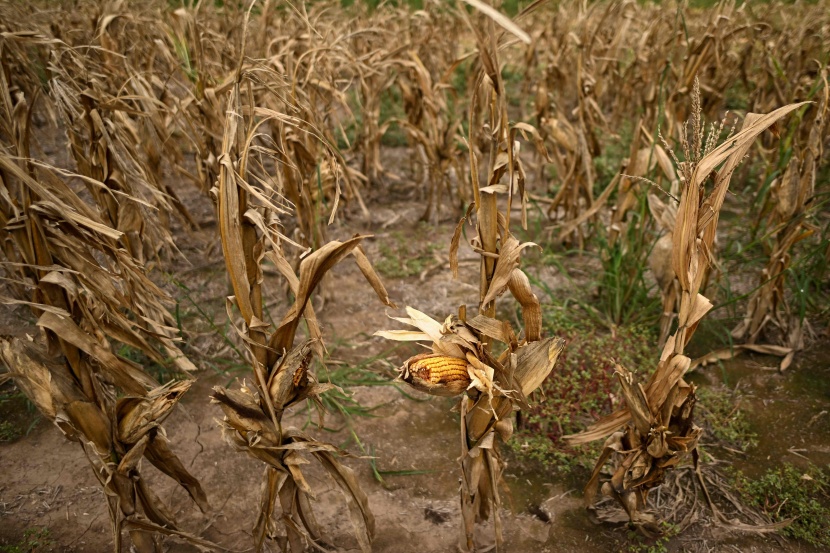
<point x="519" y="286"/>
<point x="160" y="454"/>
<point x="123" y="374"/>
<point x="509" y="256"/>
<point x="130" y="461"/>
<point x="363" y="521"/>
<point x="230" y="213"/>
<point x="429" y="328"/>
<point x="139" y="523"/>
<point x="153" y="506"/>
<point x="635" y="399"/>
<point x="31" y="376"/>
<point x="488" y="326"/>
<point x="501" y="19"/>
<point x="371" y="276"/>
<point x="456" y="240"/>
<point x="312" y="270"/>
<point x="600" y="429"/>
<point x="92" y="423"/>
<point x="244" y="413"/>
<point x="664" y="379"/>
<point x="535" y="361"/>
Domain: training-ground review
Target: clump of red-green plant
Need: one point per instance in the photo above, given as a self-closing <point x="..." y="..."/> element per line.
<point x="581" y="388"/>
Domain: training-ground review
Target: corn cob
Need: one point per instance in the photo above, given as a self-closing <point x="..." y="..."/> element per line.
<point x="436" y="374"/>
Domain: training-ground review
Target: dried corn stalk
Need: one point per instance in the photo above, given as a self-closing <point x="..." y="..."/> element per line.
<point x="791" y="223"/>
<point x="89" y="293"/>
<point x="281" y="369"/>
<point x="432" y="127"/>
<point x="462" y="350"/>
<point x="461" y="361"/>
<point x="115" y="435"/>
<point x="656" y="429"/>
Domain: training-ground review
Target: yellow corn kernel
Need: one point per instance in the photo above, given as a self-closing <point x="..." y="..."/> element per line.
<point x="436" y="374"/>
<point x="438" y="369"/>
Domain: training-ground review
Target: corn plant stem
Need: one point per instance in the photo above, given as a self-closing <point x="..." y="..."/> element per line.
<point x="243" y="234"/>
<point x="488" y="229"/>
<point x="487" y="218"/>
<point x="488" y="213"/>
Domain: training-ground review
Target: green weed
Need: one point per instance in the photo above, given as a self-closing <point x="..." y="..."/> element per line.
<point x="34" y="540"/>
<point x="614" y="150"/>
<point x="391" y="107"/>
<point x="19" y="415"/>
<point x="581" y="388"/>
<point x="625" y="297"/>
<point x="788" y="493"/>
<point x="339" y="400"/>
<point x="659" y="545"/>
<point x="722" y="417"/>
<point x="401" y="257"/>
<point x="160" y="372"/>
<point x="8" y="431"/>
<point x="186" y="301"/>
<point x="637" y="543"/>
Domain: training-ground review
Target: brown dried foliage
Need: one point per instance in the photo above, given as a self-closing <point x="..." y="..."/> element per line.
<point x="656" y="429"/>
<point x="255" y="109"/>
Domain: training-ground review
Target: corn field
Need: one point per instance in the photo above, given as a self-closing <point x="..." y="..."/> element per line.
<point x="413" y="276"/>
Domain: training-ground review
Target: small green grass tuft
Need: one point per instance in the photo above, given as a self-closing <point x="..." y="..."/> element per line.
<point x="401" y="257"/>
<point x="8" y="431"/>
<point x="625" y="295"/>
<point x="787" y="493"/>
<point x="161" y="373"/>
<point x="720" y="411"/>
<point x="391" y="107"/>
<point x="608" y="163"/>
<point x="637" y="543"/>
<point x="18" y="415"/>
<point x="34" y="540"/>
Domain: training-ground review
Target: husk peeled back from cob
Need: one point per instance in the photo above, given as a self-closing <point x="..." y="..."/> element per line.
<point x="461" y="362"/>
<point x="656" y="429"/>
<point x="494" y="384"/>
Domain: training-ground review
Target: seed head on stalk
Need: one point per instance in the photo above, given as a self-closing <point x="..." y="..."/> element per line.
<point x="656" y="429"/>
